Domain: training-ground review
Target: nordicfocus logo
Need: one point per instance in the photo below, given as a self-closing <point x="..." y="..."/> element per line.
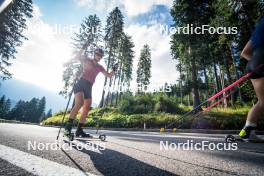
<point x="204" y="145"/>
<point x="190" y="29"/>
<point x="33" y="145"/>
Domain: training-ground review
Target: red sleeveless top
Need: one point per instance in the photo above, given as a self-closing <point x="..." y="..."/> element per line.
<point x="90" y="70"/>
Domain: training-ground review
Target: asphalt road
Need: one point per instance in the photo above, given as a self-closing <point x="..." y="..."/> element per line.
<point x="33" y="150"/>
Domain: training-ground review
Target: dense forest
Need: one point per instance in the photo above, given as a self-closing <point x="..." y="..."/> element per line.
<point x="26" y="111"/>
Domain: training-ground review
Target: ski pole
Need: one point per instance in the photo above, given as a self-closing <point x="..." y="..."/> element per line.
<point x="210" y="107"/>
<point x="67" y="106"/>
<point x="188" y="113"/>
<point x="64" y="114"/>
<point x="243" y="78"/>
<point x="218" y="102"/>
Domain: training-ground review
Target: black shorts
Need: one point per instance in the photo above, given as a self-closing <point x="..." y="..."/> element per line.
<point x="258" y="56"/>
<point x="83" y="86"/>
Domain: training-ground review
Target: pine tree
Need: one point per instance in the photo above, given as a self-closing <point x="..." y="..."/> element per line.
<point x="31" y="110"/>
<point x="41" y="109"/>
<point x="49" y="114"/>
<point x="144" y="68"/>
<point x="113" y="37"/>
<point x="12" y="24"/>
<point x="18" y="112"/>
<point x="124" y="73"/>
<point x="4" y="107"/>
<point x="186" y="47"/>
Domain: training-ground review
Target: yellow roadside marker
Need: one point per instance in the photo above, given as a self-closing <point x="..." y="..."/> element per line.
<point x="162" y="130"/>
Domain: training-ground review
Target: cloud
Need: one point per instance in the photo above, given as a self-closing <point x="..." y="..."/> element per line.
<point x="137" y="7"/>
<point x="100" y="5"/>
<point x="39" y="60"/>
<point x="163" y="67"/>
<point x="157" y="14"/>
<point x="131" y="7"/>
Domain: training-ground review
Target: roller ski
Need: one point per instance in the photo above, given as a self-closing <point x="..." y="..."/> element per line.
<point x="247" y="134"/>
<point x="79" y="133"/>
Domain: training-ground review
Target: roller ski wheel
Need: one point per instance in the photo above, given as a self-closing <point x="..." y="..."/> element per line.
<point x="102" y="137"/>
<point x="69" y="136"/>
<point x="230" y="138"/>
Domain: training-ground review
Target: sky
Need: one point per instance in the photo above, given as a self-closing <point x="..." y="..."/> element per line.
<point x="40" y="59"/>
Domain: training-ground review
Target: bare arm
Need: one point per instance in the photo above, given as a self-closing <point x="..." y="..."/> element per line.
<point x="80" y="53"/>
<point x="107" y="74"/>
<point x="247" y="51"/>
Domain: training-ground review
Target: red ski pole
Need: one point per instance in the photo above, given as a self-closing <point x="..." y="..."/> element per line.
<point x="243" y="78"/>
<point x="218" y="102"/>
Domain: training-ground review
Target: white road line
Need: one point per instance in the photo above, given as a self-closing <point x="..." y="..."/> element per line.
<point x="174" y="136"/>
<point x="37" y="165"/>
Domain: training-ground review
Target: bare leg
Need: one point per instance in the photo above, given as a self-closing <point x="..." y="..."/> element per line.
<point x="248" y="132"/>
<point x="85" y="110"/>
<point x="78" y="102"/>
<point x="256" y="111"/>
<point x="77" y="105"/>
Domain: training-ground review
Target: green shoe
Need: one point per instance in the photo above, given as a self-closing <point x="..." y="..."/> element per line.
<point x="248" y="134"/>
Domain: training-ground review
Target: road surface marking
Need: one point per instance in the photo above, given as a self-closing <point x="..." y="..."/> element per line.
<point x="37" y="165"/>
<point x="173" y="136"/>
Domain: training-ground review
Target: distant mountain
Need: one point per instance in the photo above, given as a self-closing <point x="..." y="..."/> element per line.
<point x="18" y="90"/>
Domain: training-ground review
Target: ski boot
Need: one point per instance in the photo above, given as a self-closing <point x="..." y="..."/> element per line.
<point x="80" y="133"/>
<point x="67" y="131"/>
<point x="248" y="134"/>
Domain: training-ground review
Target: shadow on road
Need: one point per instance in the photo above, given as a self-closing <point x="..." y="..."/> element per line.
<point x="252" y="152"/>
<point x="249" y="156"/>
<point x="113" y="163"/>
